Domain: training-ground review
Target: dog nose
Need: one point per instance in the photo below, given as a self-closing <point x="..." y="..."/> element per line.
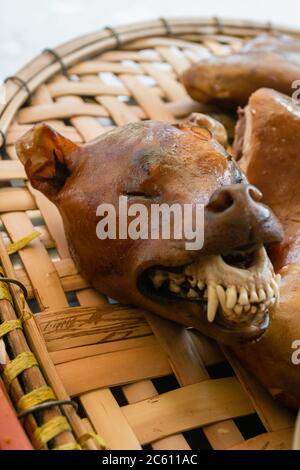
<point x="238" y="195"/>
<point x="235" y="217"/>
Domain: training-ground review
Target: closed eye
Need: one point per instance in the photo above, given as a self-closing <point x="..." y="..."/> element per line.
<point x="140" y="194"/>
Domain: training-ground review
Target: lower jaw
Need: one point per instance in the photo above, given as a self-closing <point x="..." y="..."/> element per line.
<point x="230" y="333"/>
<point x="192" y="315"/>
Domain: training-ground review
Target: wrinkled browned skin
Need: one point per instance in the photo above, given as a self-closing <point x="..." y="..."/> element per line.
<point x="267" y="61"/>
<point x="150" y="162"/>
<point x="270" y="145"/>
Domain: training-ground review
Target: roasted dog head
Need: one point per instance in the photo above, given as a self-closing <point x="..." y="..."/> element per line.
<point x="266" y="61"/>
<point x="226" y="288"/>
<point x="268" y="138"/>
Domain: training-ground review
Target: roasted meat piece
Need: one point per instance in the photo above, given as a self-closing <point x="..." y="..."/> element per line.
<point x="271" y="61"/>
<point x="268" y="141"/>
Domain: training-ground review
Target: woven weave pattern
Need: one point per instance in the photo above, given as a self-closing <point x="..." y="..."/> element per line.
<point x="134" y="388"/>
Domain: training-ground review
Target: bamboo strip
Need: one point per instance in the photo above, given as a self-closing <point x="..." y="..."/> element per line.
<point x="196" y="405"/>
<point x="85" y="89"/>
<point x="277" y="440"/>
<point x="16" y="199"/>
<point x="273" y="416"/>
<point x="11" y="170"/>
<point x="120" y="436"/>
<point x="148" y="99"/>
<point x="80" y="326"/>
<point x="53" y="222"/>
<point x="123" y="367"/>
<point x="37" y="263"/>
<point x="43" y="112"/>
<point x="184" y="350"/>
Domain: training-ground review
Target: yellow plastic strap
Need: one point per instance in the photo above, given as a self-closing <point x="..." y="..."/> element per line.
<point x="70" y="446"/>
<point x="14" y="247"/>
<point x="37" y="396"/>
<point x="23" y="361"/>
<point x="90" y="435"/>
<point x="4" y="290"/>
<point x="9" y="325"/>
<point x="49" y="430"/>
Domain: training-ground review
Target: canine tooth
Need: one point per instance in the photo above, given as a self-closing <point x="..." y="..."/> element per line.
<point x="253" y="309"/>
<point x="205" y="294"/>
<point x="174" y="287"/>
<point x="192" y="294"/>
<point x="238" y="309"/>
<point x="247" y="307"/>
<point x="200" y="285"/>
<point x="212" y="303"/>
<point x="262" y="307"/>
<point x="231" y="297"/>
<point x="269" y="291"/>
<point x="253" y="295"/>
<point x="261" y="295"/>
<point x="243" y="297"/>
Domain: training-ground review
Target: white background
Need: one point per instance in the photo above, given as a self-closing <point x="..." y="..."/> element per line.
<point x="28" y="26"/>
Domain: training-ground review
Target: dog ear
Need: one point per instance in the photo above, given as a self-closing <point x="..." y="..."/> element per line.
<point x="203" y="121"/>
<point x="48" y="158"/>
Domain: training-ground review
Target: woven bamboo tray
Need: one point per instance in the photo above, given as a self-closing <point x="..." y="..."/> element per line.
<point x="138" y="381"/>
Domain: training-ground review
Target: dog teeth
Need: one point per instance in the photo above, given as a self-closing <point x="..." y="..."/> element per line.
<point x="253" y="295"/>
<point x="261" y="295"/>
<point x="222" y="297"/>
<point x="231" y="297"/>
<point x="174" y="287"/>
<point x="237" y="303"/>
<point x="192" y="294"/>
<point x="212" y="303"/>
<point x="269" y="291"/>
<point x="158" y="278"/>
<point x="238" y="309"/>
<point x="243" y="297"/>
<point x="275" y="287"/>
